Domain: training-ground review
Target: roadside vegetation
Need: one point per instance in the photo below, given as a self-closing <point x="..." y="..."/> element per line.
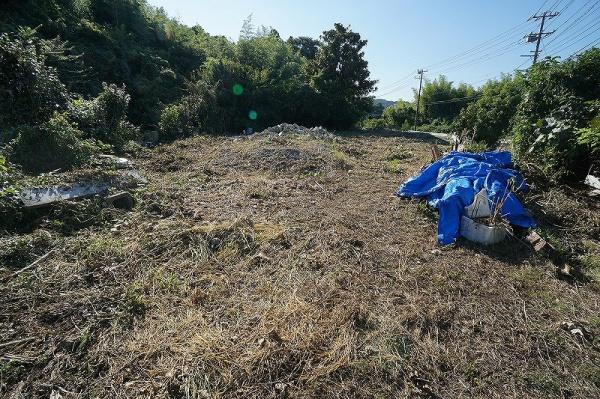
<point x="548" y="114"/>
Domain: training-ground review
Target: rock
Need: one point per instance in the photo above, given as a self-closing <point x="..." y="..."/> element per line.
<point x="122" y="200"/>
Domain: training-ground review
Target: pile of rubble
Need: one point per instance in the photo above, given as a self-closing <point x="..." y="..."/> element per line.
<point x="287" y="128"/>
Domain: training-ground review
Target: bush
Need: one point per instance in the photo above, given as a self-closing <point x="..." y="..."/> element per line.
<point x="490" y="116"/>
<point x="198" y="111"/>
<point x="438" y="126"/>
<point x="400" y="115"/>
<point x="372" y="123"/>
<point x="105" y="117"/>
<point x="554" y="125"/>
<point x="589" y="137"/>
<point x="56" y="144"/>
<point x="31" y="90"/>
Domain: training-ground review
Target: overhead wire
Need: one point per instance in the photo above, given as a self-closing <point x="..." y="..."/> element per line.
<point x="575" y="35"/>
<point x="483" y="52"/>
<point x="584" y="15"/>
<point x="577" y="40"/>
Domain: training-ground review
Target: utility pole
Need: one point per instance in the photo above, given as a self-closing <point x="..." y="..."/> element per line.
<point x="420" y="72"/>
<point x="537" y="37"/>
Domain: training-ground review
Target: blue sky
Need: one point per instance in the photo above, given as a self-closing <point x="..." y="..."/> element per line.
<point x="405" y="35"/>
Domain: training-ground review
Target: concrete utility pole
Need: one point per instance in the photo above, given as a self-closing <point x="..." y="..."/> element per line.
<point x="420" y="72"/>
<point x="537" y="37"/>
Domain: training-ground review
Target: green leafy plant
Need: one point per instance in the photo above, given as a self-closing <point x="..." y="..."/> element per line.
<point x="56" y="144"/>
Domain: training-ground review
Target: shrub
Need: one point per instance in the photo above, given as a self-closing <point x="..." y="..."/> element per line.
<point x="105" y="117"/>
<point x="590" y="136"/>
<point x="199" y="110"/>
<point x="438" y="126"/>
<point x="490" y="116"/>
<point x="31" y="90"/>
<point x="56" y="144"/>
<point x="372" y="123"/>
<point x="554" y="125"/>
<point x="399" y="115"/>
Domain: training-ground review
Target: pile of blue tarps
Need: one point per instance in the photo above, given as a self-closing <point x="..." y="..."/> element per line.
<point x="450" y="184"/>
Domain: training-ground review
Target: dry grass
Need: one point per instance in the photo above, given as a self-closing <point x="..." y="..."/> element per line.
<point x="286" y="268"/>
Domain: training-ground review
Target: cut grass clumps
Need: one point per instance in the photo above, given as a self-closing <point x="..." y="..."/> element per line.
<point x="17" y="252"/>
<point x="341" y="160"/>
<point x="591" y="267"/>
<point x="56" y="144"/>
<point x="395" y="160"/>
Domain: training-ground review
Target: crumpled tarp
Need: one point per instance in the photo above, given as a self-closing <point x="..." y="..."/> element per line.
<point x="450" y="184"/>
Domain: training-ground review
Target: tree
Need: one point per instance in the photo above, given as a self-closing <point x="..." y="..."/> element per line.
<point x="491" y="114"/>
<point x="306" y="46"/>
<point x="557" y="109"/>
<point x="441" y="100"/>
<point x="398" y="114"/>
<point x="341" y="76"/>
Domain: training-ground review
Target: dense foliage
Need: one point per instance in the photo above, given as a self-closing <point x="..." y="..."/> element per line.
<point x="491" y="115"/>
<point x="110" y="69"/>
<point x="442" y="100"/>
<point x="556" y="124"/>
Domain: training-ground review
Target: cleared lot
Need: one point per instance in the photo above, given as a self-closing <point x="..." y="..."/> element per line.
<point x="266" y="267"/>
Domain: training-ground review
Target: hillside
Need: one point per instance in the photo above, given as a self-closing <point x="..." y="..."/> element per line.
<point x="383" y="103"/>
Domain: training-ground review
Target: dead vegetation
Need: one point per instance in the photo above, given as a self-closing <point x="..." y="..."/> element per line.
<point x="284" y="267"/>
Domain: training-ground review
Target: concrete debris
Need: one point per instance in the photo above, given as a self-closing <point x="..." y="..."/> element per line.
<point x="538" y="243"/>
<point x="34" y="197"/>
<point x="120" y="163"/>
<point x="577" y="330"/>
<point x="594" y="183"/>
<point x="42" y="196"/>
<point x="287" y="128"/>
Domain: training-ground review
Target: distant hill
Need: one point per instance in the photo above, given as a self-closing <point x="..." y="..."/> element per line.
<point x="384" y="103"/>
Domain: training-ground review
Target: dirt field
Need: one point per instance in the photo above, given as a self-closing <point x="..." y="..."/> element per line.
<point x="285" y="267"/>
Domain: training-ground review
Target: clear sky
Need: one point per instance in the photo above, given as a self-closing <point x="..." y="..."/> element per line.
<point x="405" y="35"/>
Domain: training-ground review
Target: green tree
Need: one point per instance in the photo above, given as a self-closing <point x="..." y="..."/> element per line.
<point x="306" y="46"/>
<point x="491" y="114"/>
<point x="341" y="76"/>
<point x="555" y="111"/>
<point x="441" y="100"/>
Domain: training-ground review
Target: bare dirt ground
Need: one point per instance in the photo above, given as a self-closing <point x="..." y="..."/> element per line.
<point x="284" y="267"/>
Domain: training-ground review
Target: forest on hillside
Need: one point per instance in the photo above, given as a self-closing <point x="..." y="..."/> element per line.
<point x="83" y="73"/>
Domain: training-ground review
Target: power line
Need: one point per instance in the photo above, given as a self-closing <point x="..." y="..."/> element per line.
<point x="490" y="47"/>
<point x="495" y="41"/>
<point x="578" y="40"/>
<point x="597" y="41"/>
<point x="576" y="34"/>
<point x="454" y="100"/>
<point x="585" y="14"/>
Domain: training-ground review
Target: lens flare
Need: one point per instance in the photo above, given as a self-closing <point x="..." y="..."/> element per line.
<point x="253" y="115"/>
<point x="238" y="89"/>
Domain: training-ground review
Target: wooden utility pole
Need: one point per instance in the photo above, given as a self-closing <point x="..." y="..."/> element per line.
<point x="537" y="37"/>
<point x="420" y="72"/>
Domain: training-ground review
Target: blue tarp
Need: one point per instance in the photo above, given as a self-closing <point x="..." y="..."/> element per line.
<point x="450" y="184"/>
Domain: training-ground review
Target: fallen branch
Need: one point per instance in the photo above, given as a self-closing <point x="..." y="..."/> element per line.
<point x="31" y="266"/>
<point x="16" y="342"/>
